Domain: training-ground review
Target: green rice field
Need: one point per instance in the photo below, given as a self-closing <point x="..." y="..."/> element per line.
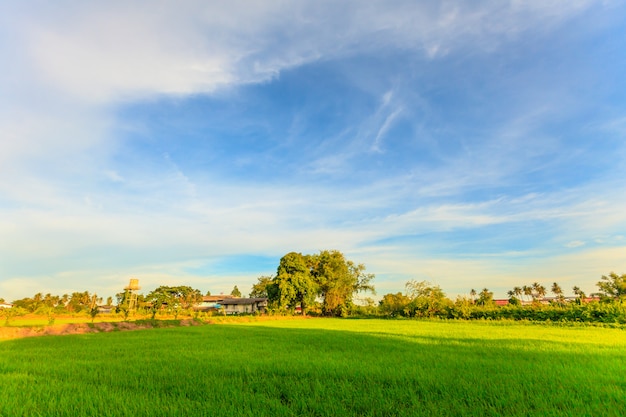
<point x="320" y="367"/>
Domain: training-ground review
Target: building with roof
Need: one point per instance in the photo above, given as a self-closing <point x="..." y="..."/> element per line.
<point x="237" y="305"/>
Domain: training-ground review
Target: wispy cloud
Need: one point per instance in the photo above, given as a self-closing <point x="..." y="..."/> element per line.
<point x="433" y="122"/>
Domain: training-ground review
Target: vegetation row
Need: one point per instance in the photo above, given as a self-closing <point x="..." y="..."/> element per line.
<point x="326" y="284"/>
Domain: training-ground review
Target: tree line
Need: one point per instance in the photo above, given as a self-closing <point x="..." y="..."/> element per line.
<point x="300" y="281"/>
<point x="528" y="302"/>
<point x="326" y="283"/>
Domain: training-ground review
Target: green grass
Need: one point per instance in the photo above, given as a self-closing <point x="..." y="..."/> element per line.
<point x="320" y="367"/>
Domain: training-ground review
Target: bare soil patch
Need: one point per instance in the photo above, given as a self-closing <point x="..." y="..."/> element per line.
<point x="83" y="328"/>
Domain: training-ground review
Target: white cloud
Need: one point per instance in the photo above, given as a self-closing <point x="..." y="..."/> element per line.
<point x="75" y="60"/>
<point x="115" y="50"/>
<point x="575" y="244"/>
<point x="114" y="176"/>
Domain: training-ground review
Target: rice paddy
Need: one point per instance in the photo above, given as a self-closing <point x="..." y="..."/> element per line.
<point x="320" y="367"/>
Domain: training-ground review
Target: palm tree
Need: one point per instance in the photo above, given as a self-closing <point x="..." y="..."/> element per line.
<point x="528" y="291"/>
<point x="512" y="297"/>
<point x="579" y="294"/>
<point x="541" y="292"/>
<point x="473" y="295"/>
<point x="538" y="291"/>
<point x="37" y="299"/>
<point x="485" y="297"/>
<point x="558" y="292"/>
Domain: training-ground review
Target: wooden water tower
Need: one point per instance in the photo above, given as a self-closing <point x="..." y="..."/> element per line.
<point x="132" y="289"/>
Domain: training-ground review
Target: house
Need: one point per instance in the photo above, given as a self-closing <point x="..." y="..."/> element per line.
<point x="236" y="305"/>
<point x="106" y="309"/>
<point x="6" y="305"/>
<point x="212" y="302"/>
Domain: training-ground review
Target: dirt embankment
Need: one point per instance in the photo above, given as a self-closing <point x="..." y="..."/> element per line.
<point x="82" y="328"/>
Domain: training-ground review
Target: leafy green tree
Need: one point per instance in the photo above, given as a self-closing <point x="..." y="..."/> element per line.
<point x="24" y="303"/>
<point x="612" y="287"/>
<point x="427" y="300"/>
<point x="394" y="304"/>
<point x="333" y="278"/>
<point x="365" y="307"/>
<point x="158" y="298"/>
<point x="235" y="292"/>
<point x="50" y="300"/>
<point x="264" y="286"/>
<point x="48" y="311"/>
<point x="338" y="280"/>
<point x="301" y="278"/>
<point x="294" y="284"/>
<point x="188" y="296"/>
<point x="9" y="313"/>
<point x="463" y="307"/>
<point x="175" y="298"/>
<point x="485" y="298"/>
<point x="79" y="301"/>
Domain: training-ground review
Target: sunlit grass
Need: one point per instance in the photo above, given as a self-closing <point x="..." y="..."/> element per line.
<point x="320" y="367"/>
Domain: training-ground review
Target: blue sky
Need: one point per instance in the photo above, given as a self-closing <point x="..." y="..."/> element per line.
<point x="471" y="144"/>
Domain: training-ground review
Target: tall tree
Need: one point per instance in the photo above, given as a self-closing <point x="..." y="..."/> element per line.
<point x="79" y="301"/>
<point x="513" y="300"/>
<point x="426" y="299"/>
<point x="612" y="287"/>
<point x="263" y="287"/>
<point x="558" y="293"/>
<point x="294" y="284"/>
<point x="394" y="304"/>
<point x="539" y="291"/>
<point x="338" y="280"/>
<point x="580" y="295"/>
<point x="235" y="292"/>
<point x="175" y="298"/>
<point x="93" y="306"/>
<point x="485" y="297"/>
